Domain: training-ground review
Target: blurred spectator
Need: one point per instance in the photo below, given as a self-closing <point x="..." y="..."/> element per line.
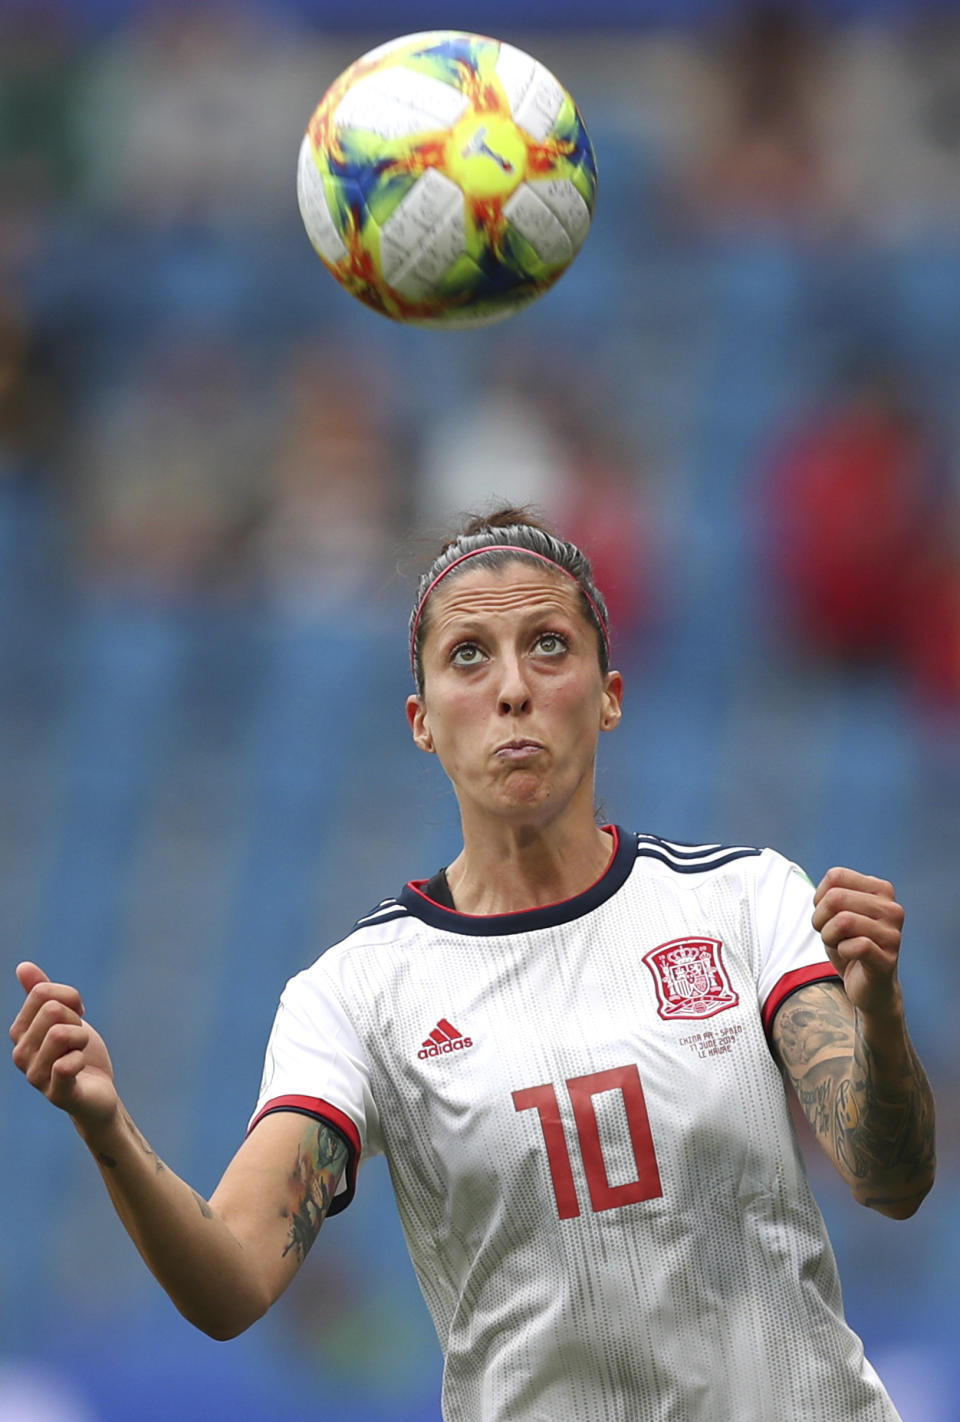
<point x="39" y="155"/>
<point x="540" y="432"/>
<point x="605" y="514"/>
<point x="894" y="125"/>
<point x="605" y="509"/>
<point x="860" y="530"/>
<point x="38" y="73"/>
<point x="31" y="426"/>
<point x="333" y="502"/>
<point x="497" y="443"/>
<point x="28" y="415"/>
<point x="931" y="624"/>
<point x="761" y="161"/>
<point x="194" y="111"/>
<point x="170" y="470"/>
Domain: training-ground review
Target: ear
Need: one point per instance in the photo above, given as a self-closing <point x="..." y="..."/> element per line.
<point x="611" y="706"/>
<point x="417" y="718"/>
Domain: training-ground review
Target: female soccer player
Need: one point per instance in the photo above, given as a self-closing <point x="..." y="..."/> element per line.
<point x="569" y="1046"/>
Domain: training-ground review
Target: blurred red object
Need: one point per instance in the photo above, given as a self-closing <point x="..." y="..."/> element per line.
<point x="932" y="633"/>
<point x="855" y="517"/>
<point x="863" y="532"/>
<point x="605" y="515"/>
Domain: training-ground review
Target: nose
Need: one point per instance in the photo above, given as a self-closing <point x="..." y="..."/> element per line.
<point x="514" y="693"/>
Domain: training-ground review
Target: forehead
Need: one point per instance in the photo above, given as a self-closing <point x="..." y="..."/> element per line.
<point x="515" y="588"/>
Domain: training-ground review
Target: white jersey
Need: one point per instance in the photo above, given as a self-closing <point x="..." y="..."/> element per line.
<point x="589" y="1140"/>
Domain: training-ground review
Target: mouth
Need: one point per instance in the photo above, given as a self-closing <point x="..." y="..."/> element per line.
<point x="518" y="750"/>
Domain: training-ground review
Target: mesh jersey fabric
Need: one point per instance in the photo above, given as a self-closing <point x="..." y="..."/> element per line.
<point x="589" y="1140"/>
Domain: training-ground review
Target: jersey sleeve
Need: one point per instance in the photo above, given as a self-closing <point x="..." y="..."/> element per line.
<point x="315" y="1064"/>
<point x="792" y="952"/>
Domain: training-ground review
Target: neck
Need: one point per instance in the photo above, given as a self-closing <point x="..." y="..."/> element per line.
<point x="525" y="867"/>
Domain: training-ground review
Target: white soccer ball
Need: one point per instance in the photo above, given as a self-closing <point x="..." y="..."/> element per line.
<point x="446" y="179"/>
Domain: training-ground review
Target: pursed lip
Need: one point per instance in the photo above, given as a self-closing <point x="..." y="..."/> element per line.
<point x="519" y="747"/>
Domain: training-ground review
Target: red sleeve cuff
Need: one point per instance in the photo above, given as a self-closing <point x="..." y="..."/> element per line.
<point x="331" y="1116"/>
<point x="790" y="982"/>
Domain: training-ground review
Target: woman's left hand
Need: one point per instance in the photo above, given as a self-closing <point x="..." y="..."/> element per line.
<point x="860" y="922"/>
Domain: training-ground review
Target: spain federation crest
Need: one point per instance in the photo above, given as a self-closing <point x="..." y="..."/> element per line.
<point x="691" y="978"/>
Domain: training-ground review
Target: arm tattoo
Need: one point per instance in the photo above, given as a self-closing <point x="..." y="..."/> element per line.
<point x="321" y="1159"/>
<point x="813" y="1023"/>
<point x="874" y="1118"/>
<point x="885" y="1128"/>
<point x="108" y="1161"/>
<point x="204" y="1208"/>
<point x="143" y="1143"/>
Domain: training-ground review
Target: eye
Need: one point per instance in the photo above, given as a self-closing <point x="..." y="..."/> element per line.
<point x="466" y="654"/>
<point x="551" y="644"/>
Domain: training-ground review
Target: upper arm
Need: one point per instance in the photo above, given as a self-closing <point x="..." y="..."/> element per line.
<point x="813" y="1025"/>
<point x="277" y="1190"/>
<point x="813" y="1037"/>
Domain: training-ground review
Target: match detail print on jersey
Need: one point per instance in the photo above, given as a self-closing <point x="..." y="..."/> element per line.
<point x="691" y="978"/>
<point x="582" y="1090"/>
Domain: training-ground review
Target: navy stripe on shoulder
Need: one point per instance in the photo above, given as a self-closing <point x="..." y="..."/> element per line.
<point x="376" y="922"/>
<point x="681" y="850"/>
<point x="385" y="912"/>
<point x="692" y="860"/>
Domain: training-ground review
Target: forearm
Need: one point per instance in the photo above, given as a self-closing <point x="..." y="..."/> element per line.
<point x="222" y="1262"/>
<point x="850" y="1056"/>
<point x="864" y="1093"/>
<point x="884" y="1119"/>
<point x="186" y="1245"/>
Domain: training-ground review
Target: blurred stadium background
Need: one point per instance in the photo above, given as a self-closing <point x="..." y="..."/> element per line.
<point x="217" y="473"/>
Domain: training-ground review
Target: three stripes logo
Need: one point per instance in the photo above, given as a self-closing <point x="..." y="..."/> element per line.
<point x="444" y="1038"/>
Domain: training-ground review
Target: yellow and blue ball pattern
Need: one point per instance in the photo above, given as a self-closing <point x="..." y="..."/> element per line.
<point x="446" y="179"/>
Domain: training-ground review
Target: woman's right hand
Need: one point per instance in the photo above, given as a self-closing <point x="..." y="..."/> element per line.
<point x="59" y="1053"/>
<point x="222" y="1262"/>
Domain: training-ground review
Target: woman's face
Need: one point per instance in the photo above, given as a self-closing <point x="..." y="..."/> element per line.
<point x="514" y="697"/>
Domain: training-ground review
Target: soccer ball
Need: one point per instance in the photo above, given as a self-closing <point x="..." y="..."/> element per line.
<point x="446" y="179"/>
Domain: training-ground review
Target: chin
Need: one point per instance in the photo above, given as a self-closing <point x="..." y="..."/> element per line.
<point x="525" y="787"/>
<point x="533" y="803"/>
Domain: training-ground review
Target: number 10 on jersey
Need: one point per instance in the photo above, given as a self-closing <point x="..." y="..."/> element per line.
<point x="582" y="1090"/>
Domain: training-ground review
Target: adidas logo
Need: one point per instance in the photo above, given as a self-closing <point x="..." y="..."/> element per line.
<point x="444" y="1038"/>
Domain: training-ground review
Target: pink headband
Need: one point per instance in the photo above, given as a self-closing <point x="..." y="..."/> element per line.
<point x="497" y="548"/>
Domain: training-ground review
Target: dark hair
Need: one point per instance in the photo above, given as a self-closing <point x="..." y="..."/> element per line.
<point x="493" y="540"/>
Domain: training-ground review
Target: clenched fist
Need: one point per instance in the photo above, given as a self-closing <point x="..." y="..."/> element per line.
<point x="59" y="1052"/>
<point x="860" y="922"/>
